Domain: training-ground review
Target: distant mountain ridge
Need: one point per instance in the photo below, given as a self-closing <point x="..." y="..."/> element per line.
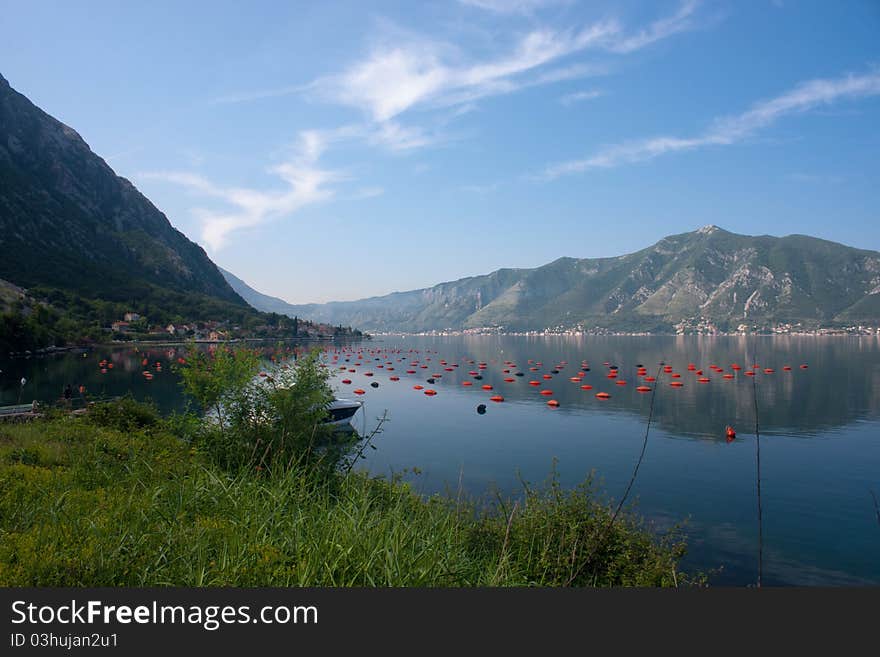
<point x="706" y="275"/>
<point x="258" y="300"/>
<point x="68" y="221"/>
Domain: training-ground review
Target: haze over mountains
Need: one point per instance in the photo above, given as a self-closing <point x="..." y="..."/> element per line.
<point x="721" y="277"/>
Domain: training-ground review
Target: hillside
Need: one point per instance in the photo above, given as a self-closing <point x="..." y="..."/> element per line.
<point x="81" y="247"/>
<point x="258" y="300"/>
<point x="706" y="275"/>
<point x="267" y="304"/>
<point x="68" y="222"/>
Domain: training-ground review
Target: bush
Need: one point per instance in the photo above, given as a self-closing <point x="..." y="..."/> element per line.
<point x="124" y="414"/>
<point x="271" y="420"/>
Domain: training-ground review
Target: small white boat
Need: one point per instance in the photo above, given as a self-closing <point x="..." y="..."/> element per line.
<point x="340" y="412"/>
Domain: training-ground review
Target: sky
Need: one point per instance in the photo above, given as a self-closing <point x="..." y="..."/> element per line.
<point x="338" y="150"/>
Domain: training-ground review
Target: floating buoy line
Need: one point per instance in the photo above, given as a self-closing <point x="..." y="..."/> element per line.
<point x="362" y="371"/>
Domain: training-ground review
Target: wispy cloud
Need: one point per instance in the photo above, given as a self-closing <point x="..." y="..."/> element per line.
<point x="513" y="6"/>
<point x="366" y="192"/>
<point x="397" y="137"/>
<point x="728" y="130"/>
<point x="397" y="78"/>
<point x="681" y="21"/>
<point x="305" y="184"/>
<point x="580" y="96"/>
<point x="481" y="189"/>
<point x="405" y="74"/>
<point x="248" y="96"/>
<point x="409" y="72"/>
<point x="573" y="72"/>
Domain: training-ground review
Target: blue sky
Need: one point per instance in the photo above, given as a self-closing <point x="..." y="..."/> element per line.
<point x="339" y="150"/>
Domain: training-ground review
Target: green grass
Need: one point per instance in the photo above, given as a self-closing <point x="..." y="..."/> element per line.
<point x="84" y="502"/>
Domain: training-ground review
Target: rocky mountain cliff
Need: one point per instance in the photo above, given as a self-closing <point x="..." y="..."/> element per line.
<point x="68" y="221"/>
<point x="709" y="274"/>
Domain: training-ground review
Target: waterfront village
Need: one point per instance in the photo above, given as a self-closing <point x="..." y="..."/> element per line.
<point x="691" y="326"/>
<point x="136" y="327"/>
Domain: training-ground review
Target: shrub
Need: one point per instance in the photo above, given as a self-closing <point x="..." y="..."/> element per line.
<point x="124" y="414"/>
<point x="271" y="420"/>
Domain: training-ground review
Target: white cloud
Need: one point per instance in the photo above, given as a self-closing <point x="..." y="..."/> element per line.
<point x="580" y="96"/>
<point x="397" y="78"/>
<point x="406" y="73"/>
<point x="411" y="73"/>
<point x="663" y="28"/>
<point x="573" y="72"/>
<point x="306" y="184"/>
<point x="397" y="137"/>
<point x="728" y="130"/>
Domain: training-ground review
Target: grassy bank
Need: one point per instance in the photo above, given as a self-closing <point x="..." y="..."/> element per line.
<point x="88" y="505"/>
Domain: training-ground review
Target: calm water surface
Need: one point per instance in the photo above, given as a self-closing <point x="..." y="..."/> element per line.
<point x="820" y="428"/>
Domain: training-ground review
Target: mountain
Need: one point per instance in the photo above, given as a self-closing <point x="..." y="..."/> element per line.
<point x="256" y="299"/>
<point x="267" y="304"/>
<point x="81" y="247"/>
<point x="707" y="275"/>
<point x="68" y="222"/>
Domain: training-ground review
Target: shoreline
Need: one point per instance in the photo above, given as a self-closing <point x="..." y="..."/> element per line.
<point x="80" y="348"/>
